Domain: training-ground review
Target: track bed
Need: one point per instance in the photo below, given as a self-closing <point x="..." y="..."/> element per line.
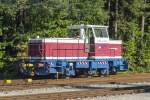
<point x="78" y="82"/>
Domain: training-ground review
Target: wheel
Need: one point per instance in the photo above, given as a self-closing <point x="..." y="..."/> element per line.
<point x="113" y="70"/>
<point x="104" y="72"/>
<point x="81" y="73"/>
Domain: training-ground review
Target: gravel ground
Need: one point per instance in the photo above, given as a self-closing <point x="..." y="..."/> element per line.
<point x="140" y="96"/>
<point x="103" y="86"/>
<point x="112" y="85"/>
<point x="55" y="89"/>
<point x="39" y="91"/>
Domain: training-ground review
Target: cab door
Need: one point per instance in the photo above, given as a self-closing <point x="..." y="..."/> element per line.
<point x="89" y="42"/>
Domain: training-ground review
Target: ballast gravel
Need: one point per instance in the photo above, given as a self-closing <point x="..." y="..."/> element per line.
<point x="140" y="96"/>
<point x="70" y="88"/>
<point x="39" y="91"/>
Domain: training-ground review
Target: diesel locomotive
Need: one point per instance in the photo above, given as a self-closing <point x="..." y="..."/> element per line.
<point x="87" y="50"/>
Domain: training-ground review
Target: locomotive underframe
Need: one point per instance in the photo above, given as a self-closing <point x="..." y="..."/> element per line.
<point x="72" y="68"/>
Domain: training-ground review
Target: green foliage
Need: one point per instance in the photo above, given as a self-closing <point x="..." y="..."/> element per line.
<point x="130" y="53"/>
<point x="89" y="12"/>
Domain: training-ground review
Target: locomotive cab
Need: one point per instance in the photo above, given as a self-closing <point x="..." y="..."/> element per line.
<point x="99" y="33"/>
<point x="91" y="34"/>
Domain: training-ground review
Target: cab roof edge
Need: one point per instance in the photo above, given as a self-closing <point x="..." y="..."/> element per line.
<point x="82" y="25"/>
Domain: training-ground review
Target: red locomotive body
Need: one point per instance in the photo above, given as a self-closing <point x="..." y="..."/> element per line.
<point x="76" y="48"/>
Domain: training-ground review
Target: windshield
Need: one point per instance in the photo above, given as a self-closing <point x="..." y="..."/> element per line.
<point x="101" y="32"/>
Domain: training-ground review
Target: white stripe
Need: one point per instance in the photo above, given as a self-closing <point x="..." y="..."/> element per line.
<point x="57" y="40"/>
<point x="109" y="42"/>
<point x="70" y="40"/>
<point x="97" y="57"/>
<point x="57" y="57"/>
<point x="115" y="42"/>
<point x="106" y="57"/>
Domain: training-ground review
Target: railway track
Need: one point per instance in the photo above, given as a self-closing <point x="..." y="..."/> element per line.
<point x="77" y="94"/>
<point x="129" y="78"/>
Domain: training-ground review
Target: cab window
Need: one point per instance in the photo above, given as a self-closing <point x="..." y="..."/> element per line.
<point x="101" y="32"/>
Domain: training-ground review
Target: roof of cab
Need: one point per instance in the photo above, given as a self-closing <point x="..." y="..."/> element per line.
<point x="85" y="26"/>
